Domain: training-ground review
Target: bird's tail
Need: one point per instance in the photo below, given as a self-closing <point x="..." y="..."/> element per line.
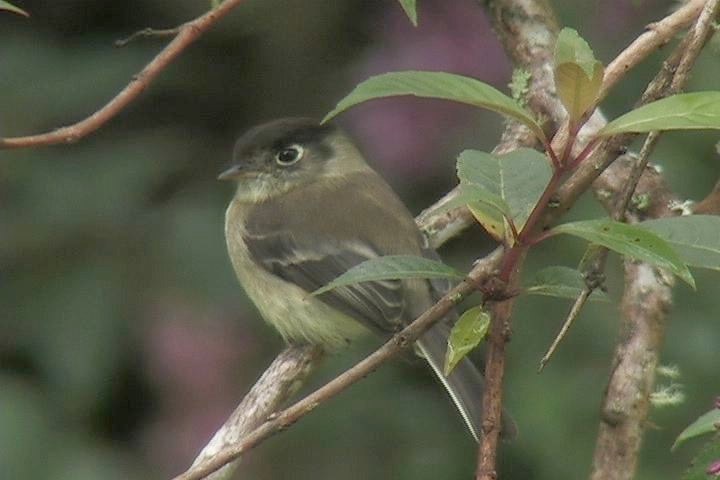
<point x="464" y="384"/>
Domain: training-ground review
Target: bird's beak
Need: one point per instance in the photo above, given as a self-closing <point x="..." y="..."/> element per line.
<point x="231" y="173"/>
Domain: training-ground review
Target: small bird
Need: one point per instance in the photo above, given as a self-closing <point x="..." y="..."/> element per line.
<point x="306" y="209"/>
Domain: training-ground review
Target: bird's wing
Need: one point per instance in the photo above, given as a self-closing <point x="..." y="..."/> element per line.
<point x="379" y="305"/>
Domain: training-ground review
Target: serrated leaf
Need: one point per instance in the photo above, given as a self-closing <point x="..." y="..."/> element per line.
<point x="686" y="111"/>
<point x="708" y="422"/>
<point x="510" y="184"/>
<point x="578" y="74"/>
<point x="562" y="282"/>
<point x="12" y="8"/>
<point x="633" y="241"/>
<point x="704" y="461"/>
<point x="441" y="85"/>
<point x="410" y="10"/>
<point x="696" y="238"/>
<point x="470" y="329"/>
<point x="392" y="267"/>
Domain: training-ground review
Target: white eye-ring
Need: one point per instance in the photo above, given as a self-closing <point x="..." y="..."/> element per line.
<point x="289" y="155"/>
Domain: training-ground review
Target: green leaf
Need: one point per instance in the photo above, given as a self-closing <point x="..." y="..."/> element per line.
<point x="509" y="184"/>
<point x="12" y="8"/>
<point x="489" y="217"/>
<point x="488" y="208"/>
<point x="466" y="334"/>
<point x="576" y="90"/>
<point x="699" y="467"/>
<point x="410" y="10"/>
<point x="392" y="267"/>
<point x="562" y="282"/>
<point x="571" y="48"/>
<point x="493" y="221"/>
<point x="708" y="422"/>
<point x="696" y="238"/>
<point x="686" y="111"/>
<point x="630" y="240"/>
<point x="441" y="85"/>
<point x="578" y="75"/>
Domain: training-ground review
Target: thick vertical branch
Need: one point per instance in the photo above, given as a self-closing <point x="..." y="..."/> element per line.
<point x="527" y="29"/>
<point x="648" y="290"/>
<point x="499" y="335"/>
<point x="645" y="304"/>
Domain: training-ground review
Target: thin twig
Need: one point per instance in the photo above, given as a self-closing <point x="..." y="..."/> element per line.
<point x="188" y="33"/>
<point x="482" y="270"/>
<point x="658" y="34"/>
<point x="703" y="29"/>
<point x="148" y="32"/>
<point x="572" y="316"/>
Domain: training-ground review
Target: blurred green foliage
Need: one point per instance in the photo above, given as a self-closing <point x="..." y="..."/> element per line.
<point x="124" y="337"/>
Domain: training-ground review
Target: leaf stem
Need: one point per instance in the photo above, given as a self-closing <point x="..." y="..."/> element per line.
<point x="583" y="154"/>
<point x="553" y="156"/>
<point x="574" y="128"/>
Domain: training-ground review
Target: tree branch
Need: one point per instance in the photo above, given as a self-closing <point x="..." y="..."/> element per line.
<point x="527" y="29"/>
<point x="188" y="33"/>
<point x="511" y="20"/>
<point x="657" y="35"/>
<point x="280" y="381"/>
<point x="277" y="422"/>
<point x="648" y="292"/>
<point x="644" y="306"/>
<point x="525" y="49"/>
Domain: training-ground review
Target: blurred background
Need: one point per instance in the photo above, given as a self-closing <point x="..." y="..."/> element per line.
<point x="125" y="340"/>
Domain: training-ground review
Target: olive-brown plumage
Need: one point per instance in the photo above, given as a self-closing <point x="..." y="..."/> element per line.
<point x="306" y="209"/>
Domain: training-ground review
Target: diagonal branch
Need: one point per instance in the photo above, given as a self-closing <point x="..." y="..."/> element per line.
<point x="277" y="384"/>
<point x="405" y="338"/>
<point x="188" y="33"/>
<point x="657" y="35"/>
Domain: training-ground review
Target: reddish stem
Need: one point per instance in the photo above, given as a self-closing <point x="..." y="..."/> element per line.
<point x="584" y="154"/>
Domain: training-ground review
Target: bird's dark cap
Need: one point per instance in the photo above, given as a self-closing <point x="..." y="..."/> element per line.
<point x="278" y="134"/>
<point x="281" y="133"/>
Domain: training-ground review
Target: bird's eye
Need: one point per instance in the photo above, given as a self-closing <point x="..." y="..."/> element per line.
<point x="289" y="155"/>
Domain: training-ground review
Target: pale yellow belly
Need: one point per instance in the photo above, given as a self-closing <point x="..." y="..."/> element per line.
<point x="298" y="316"/>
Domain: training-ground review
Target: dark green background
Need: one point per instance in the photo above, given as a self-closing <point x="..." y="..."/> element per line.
<point x="124" y="338"/>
